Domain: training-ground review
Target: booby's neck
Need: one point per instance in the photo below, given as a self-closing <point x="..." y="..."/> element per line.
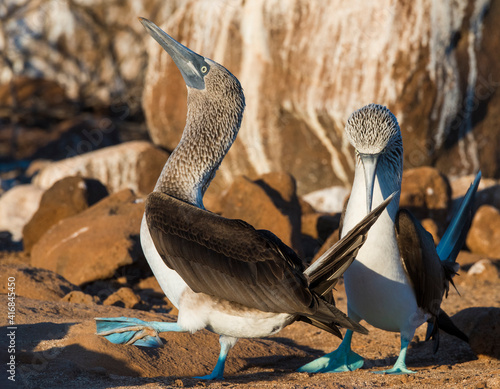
<point x="387" y="180"/>
<point x="211" y="127"/>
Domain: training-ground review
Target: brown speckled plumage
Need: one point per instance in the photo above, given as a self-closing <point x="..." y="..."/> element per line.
<point x="213" y="121"/>
<point x="373" y="129"/>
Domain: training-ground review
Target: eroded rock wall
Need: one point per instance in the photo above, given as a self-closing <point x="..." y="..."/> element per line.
<point x="304" y="66"/>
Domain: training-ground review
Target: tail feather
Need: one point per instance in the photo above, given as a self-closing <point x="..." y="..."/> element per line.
<point x="328" y="315"/>
<point x="331" y="328"/>
<point x="454" y="237"/>
<point x="446" y="324"/>
<point x="433" y="333"/>
<point x="443" y="322"/>
<point x="447" y="250"/>
<point x="324" y="273"/>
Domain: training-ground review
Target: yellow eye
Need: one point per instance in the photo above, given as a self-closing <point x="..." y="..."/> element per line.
<point x="203" y="69"/>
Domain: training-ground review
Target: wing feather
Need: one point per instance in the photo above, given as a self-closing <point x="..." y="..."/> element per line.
<point x="228" y="258"/>
<point x="421" y="262"/>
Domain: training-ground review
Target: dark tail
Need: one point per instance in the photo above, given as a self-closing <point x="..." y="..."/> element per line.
<point x="447" y="250"/>
<point x="328" y="318"/>
<point x="443" y="322"/>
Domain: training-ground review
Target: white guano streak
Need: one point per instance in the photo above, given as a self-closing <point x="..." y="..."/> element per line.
<point x="474" y="39"/>
<point x="446" y="18"/>
<point x="256" y="56"/>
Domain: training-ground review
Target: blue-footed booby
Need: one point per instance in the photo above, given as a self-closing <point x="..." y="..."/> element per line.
<point x="398" y="279"/>
<point x="222" y="274"/>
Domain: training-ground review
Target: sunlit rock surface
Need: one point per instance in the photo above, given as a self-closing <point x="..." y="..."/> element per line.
<point x="135" y="165"/>
<point x="305" y="67"/>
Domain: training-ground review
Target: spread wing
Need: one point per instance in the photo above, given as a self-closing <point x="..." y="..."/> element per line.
<point x="421" y="262"/>
<point x="228" y="258"/>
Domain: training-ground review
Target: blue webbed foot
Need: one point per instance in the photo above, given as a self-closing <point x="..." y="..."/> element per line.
<point x="342" y="359"/>
<point x="226" y="343"/>
<point x="126" y="330"/>
<point x="400" y="365"/>
<point x="335" y="362"/>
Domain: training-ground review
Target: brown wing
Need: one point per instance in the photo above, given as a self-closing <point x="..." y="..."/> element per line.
<point x="421" y="262"/>
<point x="228" y="258"/>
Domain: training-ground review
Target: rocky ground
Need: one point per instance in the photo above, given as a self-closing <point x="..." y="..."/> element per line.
<point x="82" y="259"/>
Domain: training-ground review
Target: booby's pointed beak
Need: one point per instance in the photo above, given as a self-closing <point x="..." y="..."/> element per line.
<point x="370" y="168"/>
<point x="193" y="66"/>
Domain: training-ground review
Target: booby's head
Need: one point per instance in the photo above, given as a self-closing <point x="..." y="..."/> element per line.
<point x="193" y="66"/>
<point x="196" y="70"/>
<point x="204" y="78"/>
<point x="374" y="132"/>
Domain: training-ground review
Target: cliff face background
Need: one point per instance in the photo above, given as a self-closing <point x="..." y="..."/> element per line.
<point x="305" y="66"/>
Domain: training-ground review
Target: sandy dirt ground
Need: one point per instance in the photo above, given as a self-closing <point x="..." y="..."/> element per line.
<point x="57" y="348"/>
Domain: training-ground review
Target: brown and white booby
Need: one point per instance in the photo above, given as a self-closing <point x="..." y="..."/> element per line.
<point x="399" y="277"/>
<point x="222" y="274"/>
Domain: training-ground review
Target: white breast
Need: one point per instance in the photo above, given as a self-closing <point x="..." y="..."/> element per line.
<point x="377" y="287"/>
<point x="170" y="281"/>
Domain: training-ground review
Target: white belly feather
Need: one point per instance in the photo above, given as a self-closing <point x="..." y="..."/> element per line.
<point x="377" y="287"/>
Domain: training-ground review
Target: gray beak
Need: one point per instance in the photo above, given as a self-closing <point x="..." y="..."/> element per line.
<point x="370" y="168"/>
<point x="192" y="66"/>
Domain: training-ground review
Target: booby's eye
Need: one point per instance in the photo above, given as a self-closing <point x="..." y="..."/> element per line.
<point x="204" y="69"/>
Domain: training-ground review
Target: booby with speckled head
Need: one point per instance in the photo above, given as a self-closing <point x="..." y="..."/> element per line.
<point x="223" y="274"/>
<point x="399" y="277"/>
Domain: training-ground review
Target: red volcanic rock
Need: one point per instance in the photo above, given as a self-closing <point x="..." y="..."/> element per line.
<point x="17" y="207"/>
<point x="34" y="282"/>
<point x="303" y="68"/>
<point x="40" y="121"/>
<point x="123" y="297"/>
<point x="484" y="234"/>
<point x="304" y="71"/>
<point x="65" y="198"/>
<point x="95" y="243"/>
<point x="78" y="297"/>
<point x="97" y="56"/>
<point x="482" y="326"/>
<point x="488" y="191"/>
<point x="484" y="270"/>
<point x="135" y="165"/>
